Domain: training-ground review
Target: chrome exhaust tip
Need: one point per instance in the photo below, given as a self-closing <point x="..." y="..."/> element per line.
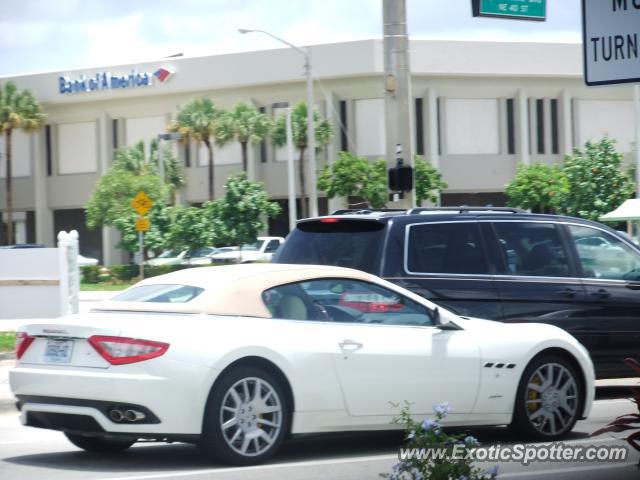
<point x="133" y="415"/>
<point x="116" y="415"/>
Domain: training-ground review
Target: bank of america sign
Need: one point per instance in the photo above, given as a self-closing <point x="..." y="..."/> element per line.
<point x="110" y="81"/>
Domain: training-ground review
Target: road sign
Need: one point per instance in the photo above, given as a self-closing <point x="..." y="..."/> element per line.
<point x="141" y="203"/>
<point x="517" y="9"/>
<point x="611" y="41"/>
<point x="143" y="224"/>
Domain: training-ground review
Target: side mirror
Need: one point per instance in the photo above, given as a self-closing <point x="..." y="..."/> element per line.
<point x="443" y="323"/>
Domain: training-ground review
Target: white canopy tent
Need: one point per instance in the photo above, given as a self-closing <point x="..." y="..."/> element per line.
<point x="628" y="212"/>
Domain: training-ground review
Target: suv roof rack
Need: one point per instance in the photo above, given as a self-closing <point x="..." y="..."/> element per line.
<point x="464" y="209"/>
<point x="366" y="211"/>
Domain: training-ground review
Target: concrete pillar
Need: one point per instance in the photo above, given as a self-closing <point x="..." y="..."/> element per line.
<point x="20" y="227"/>
<point x="431" y="126"/>
<point x="566" y="123"/>
<point x="523" y="125"/>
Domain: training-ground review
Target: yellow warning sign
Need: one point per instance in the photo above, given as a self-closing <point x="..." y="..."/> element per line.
<point x="141" y="203"/>
<point x="143" y="224"/>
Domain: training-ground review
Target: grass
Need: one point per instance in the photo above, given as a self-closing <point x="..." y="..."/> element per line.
<point x="7" y="341"/>
<point x="93" y="287"/>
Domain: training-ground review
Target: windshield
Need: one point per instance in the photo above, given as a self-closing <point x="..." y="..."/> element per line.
<point x="160" y="293"/>
<point x="253" y="246"/>
<point x="346" y="243"/>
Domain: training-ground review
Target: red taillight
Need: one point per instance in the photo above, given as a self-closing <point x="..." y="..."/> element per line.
<point x="22" y="343"/>
<point x="329" y="220"/>
<point x="123" y="350"/>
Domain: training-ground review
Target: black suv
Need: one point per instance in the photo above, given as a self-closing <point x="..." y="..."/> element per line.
<point x="496" y="263"/>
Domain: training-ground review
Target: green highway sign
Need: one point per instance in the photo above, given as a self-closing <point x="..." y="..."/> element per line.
<point x="518" y="9"/>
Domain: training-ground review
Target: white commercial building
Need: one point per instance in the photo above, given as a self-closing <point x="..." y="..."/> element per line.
<point x="481" y="108"/>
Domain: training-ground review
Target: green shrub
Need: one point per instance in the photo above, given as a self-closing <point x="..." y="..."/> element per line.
<point x="124" y="273"/>
<point x="90" y="274"/>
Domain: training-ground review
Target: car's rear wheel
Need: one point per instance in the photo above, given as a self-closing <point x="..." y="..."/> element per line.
<point x="98" y="444"/>
<point x="246" y="418"/>
<point x="549" y="399"/>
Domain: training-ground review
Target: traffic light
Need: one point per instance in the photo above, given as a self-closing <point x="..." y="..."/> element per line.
<point x="401" y="177"/>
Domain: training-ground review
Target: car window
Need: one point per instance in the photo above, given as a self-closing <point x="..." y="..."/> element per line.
<point x="343" y="242"/>
<point x="272" y="246"/>
<point x="532" y="249"/>
<point x="345" y="301"/>
<point x="446" y="248"/>
<point x="160" y="294"/>
<point x="604" y="256"/>
<point x="253" y="246"/>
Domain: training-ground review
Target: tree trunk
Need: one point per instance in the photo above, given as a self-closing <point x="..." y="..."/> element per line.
<point x="303" y="192"/>
<point x="243" y="146"/>
<point x="210" y="152"/>
<point x="9" y="205"/>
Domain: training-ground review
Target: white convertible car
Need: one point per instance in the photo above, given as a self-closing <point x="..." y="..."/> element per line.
<point x="237" y="358"/>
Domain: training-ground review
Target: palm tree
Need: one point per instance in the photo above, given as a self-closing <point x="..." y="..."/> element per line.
<point x="246" y="124"/>
<point x="133" y="160"/>
<point x="17" y="110"/>
<point x="324" y="132"/>
<point x="199" y="120"/>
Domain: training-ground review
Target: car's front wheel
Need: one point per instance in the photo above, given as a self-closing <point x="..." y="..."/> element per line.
<point x="549" y="399"/>
<point x="246" y="418"/>
<point x="98" y="444"/>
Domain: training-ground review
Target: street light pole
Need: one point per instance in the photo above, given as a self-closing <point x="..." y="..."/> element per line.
<point x="311" y="127"/>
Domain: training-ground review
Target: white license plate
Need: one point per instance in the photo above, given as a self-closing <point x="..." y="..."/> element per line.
<point x="58" y="351"/>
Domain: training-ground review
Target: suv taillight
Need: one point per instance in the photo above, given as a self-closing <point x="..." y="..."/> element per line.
<point x="22" y="343"/>
<point x="123" y="350"/>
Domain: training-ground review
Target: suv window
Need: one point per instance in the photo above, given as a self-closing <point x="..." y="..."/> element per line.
<point x="343" y="243"/>
<point x="604" y="256"/>
<point x="272" y="246"/>
<point x="446" y="248"/>
<point x="532" y="249"/>
<point x="345" y="301"/>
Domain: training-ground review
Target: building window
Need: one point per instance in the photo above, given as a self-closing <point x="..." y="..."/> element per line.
<point x="511" y="127"/>
<point x="555" y="134"/>
<point x="540" y="125"/>
<point x="187" y="154"/>
<point x="263" y="143"/>
<point x="439" y="122"/>
<point x="419" y="127"/>
<point x="114" y="128"/>
<point x="47" y="140"/>
<point x="344" y="143"/>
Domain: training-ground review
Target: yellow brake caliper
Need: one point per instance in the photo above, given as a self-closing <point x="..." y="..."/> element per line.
<point x="533" y="395"/>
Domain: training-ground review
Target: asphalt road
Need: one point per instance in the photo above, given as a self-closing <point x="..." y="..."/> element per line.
<point x="34" y="454"/>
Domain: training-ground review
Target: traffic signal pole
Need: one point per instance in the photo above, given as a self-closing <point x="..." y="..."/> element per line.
<point x="397" y="87"/>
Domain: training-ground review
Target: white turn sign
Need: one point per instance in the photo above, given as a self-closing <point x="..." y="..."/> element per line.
<point x="611" y="41"/>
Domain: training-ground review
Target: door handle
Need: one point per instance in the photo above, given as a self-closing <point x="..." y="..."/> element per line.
<point x="567" y="292"/>
<point x="347" y="344"/>
<point x="602" y="293"/>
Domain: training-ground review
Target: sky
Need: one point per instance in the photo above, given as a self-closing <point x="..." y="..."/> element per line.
<point x="52" y="35"/>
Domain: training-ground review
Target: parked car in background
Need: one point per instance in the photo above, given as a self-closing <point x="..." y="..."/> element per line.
<point x="237" y="358"/>
<point x="87" y="261"/>
<point x="496" y="263"/>
<point x="168" y="257"/>
<point x="260" y="251"/>
<point x="199" y="256"/>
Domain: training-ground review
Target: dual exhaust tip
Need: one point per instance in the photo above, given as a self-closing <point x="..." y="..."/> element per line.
<point x="129" y="415"/>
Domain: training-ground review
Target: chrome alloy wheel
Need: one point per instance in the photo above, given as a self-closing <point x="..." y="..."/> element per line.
<point x="551" y="399"/>
<point x="251" y="416"/>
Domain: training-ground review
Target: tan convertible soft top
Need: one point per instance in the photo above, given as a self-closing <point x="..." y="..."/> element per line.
<point x="232" y="289"/>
